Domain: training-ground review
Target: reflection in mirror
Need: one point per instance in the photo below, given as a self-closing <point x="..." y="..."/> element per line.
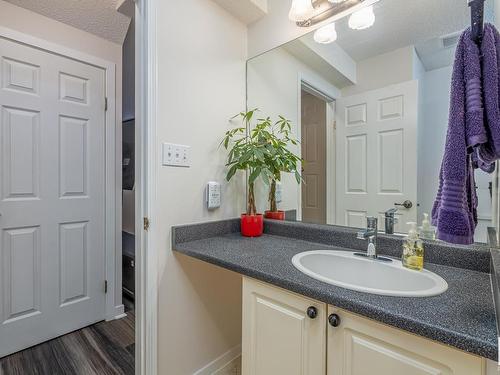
<point x="371" y="113"/>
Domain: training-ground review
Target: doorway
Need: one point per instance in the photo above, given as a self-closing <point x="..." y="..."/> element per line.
<point x="313" y="131"/>
<point x="61" y="228"/>
<point x="128" y="170"/>
<point x="317" y="135"/>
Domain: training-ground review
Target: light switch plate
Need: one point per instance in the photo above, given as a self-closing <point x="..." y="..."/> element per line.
<point x="213" y="192"/>
<point x="174" y="155"/>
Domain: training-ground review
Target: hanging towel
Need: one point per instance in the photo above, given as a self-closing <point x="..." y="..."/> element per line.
<point x="489" y="151"/>
<point x="453" y="212"/>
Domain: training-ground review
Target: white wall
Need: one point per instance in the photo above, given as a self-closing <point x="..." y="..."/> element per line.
<point x="497" y="12"/>
<point x="334" y="55"/>
<point x="273" y="87"/>
<point x="432" y="133"/>
<point x="383" y="70"/>
<point x="201" y="84"/>
<point x="27" y="22"/>
<point x="274" y="29"/>
<point x="129" y="73"/>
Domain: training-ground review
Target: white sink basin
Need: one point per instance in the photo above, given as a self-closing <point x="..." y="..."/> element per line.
<point x="344" y="269"/>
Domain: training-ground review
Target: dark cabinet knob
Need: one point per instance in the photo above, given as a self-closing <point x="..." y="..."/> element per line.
<point x="312" y="312"/>
<point x="334" y="320"/>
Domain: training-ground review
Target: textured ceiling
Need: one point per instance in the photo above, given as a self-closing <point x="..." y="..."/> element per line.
<point x="98" y="17"/>
<point x="405" y="22"/>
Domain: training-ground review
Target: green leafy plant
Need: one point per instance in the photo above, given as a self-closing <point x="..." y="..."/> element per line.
<point x="262" y="151"/>
<point x="278" y="158"/>
<point x="247" y="152"/>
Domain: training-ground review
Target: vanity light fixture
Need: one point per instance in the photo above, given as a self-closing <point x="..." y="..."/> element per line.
<point x="301" y="10"/>
<point x="362" y="19"/>
<point x="308" y="13"/>
<point x="326" y="34"/>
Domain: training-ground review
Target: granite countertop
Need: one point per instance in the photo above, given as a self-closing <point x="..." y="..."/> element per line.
<point x="463" y="316"/>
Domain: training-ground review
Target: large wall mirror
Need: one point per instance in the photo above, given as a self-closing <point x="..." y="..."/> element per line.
<point x="371" y="113"/>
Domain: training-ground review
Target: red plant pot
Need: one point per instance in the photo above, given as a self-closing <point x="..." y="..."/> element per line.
<point x="275" y="215"/>
<point x="252" y="225"/>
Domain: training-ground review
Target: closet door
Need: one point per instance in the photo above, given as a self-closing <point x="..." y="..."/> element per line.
<point x="52" y="195"/>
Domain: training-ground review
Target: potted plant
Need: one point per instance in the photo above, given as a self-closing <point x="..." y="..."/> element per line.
<point x="247" y="151"/>
<point x="279" y="159"/>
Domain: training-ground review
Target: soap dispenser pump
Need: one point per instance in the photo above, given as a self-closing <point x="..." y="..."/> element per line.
<point x="413" y="249"/>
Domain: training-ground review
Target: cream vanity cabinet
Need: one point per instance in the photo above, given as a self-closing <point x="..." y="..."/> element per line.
<point x="283" y="333"/>
<point x="288" y="334"/>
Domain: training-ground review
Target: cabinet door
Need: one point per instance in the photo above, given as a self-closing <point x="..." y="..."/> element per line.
<point x="359" y="346"/>
<point x="279" y="338"/>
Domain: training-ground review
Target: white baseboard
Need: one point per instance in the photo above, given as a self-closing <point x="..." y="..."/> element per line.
<point x="220" y="362"/>
<point x="118" y="313"/>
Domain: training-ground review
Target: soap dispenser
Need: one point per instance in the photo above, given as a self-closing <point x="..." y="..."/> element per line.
<point x="413" y="249"/>
<point x="427" y="231"/>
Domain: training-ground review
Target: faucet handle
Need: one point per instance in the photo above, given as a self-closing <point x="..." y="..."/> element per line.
<point x="391" y="212"/>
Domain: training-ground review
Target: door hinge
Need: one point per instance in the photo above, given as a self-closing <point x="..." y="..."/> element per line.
<point x="105" y="286"/>
<point x="105" y="104"/>
<point x="146" y="224"/>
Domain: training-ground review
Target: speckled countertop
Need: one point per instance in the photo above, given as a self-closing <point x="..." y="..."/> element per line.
<point x="463" y="316"/>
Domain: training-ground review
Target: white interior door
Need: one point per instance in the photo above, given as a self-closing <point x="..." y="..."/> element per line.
<point x="52" y="253"/>
<point x="377" y="155"/>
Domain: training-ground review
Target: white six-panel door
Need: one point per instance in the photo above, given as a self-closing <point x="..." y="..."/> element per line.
<point x="52" y="253"/>
<point x="377" y="155"/>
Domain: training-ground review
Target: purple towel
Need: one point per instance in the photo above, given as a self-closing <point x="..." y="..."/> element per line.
<point x="473" y="138"/>
<point x="488" y="152"/>
<point x="453" y="211"/>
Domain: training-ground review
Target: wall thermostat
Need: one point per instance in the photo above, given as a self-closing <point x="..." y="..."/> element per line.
<point x="213" y="195"/>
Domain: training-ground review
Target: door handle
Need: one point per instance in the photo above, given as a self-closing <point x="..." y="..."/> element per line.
<point x="406" y="204"/>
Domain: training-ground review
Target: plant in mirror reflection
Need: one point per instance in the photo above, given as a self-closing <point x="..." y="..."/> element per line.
<point x="262" y="151"/>
<point x="279" y="158"/>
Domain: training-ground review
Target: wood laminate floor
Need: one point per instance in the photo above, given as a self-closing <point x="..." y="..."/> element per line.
<point x="106" y="348"/>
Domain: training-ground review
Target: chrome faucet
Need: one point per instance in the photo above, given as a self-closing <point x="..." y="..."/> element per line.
<point x="390" y="220"/>
<point x="371" y="234"/>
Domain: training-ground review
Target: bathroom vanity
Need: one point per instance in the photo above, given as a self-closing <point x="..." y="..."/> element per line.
<point x="295" y="324"/>
<point x="286" y="333"/>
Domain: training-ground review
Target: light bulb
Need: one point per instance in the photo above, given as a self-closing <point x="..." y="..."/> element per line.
<point x="301" y="10"/>
<point x="362" y="19"/>
<point x="326" y="34"/>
